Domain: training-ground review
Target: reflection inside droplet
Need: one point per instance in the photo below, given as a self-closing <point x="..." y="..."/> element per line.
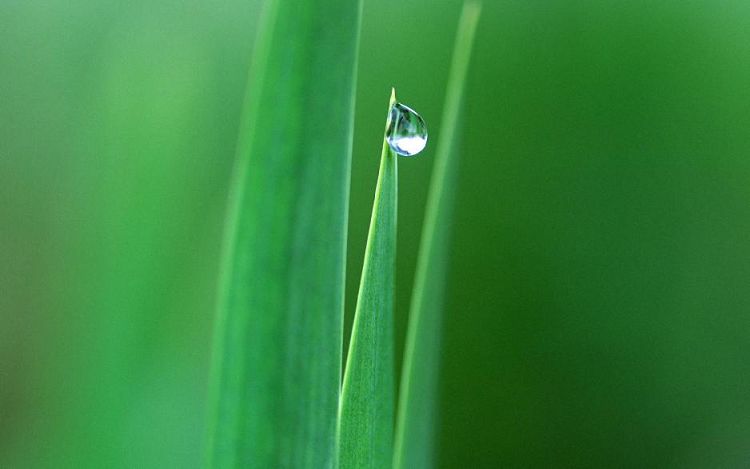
<point x="406" y="133"/>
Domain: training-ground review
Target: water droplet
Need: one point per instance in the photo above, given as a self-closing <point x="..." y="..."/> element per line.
<point x="406" y="132"/>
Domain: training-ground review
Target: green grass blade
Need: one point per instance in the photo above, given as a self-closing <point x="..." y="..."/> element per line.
<point x="367" y="401"/>
<point x="414" y="446"/>
<point x="277" y="352"/>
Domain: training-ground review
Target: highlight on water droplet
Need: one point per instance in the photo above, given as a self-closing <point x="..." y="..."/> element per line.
<point x="406" y="132"/>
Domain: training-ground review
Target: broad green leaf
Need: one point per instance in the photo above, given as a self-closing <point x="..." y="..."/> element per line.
<point x="414" y="445"/>
<point x="367" y="405"/>
<point x="277" y="351"/>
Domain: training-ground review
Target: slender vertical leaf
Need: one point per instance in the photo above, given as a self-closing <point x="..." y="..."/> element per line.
<point x="277" y="363"/>
<point x="366" y="416"/>
<point x="414" y="446"/>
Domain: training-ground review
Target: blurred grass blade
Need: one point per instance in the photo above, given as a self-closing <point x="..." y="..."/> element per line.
<point x="367" y="401"/>
<point x="414" y="446"/>
<point x="277" y="351"/>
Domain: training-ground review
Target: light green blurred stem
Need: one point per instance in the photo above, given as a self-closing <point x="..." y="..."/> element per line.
<point x="277" y="350"/>
<point x="367" y="401"/>
<point x="415" y="430"/>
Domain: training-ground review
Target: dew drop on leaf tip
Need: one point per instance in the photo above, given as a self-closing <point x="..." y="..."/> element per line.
<point x="406" y="132"/>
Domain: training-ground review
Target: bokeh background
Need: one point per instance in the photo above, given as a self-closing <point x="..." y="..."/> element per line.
<point x="598" y="305"/>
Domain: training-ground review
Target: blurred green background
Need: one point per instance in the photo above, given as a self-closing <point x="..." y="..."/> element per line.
<point x="599" y="301"/>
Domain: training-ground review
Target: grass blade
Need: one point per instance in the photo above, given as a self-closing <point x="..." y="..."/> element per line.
<point x="414" y="446"/>
<point x="277" y="352"/>
<point x="367" y="401"/>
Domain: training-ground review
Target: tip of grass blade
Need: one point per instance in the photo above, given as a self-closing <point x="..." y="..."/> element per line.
<point x="391" y="102"/>
<point x="367" y="406"/>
